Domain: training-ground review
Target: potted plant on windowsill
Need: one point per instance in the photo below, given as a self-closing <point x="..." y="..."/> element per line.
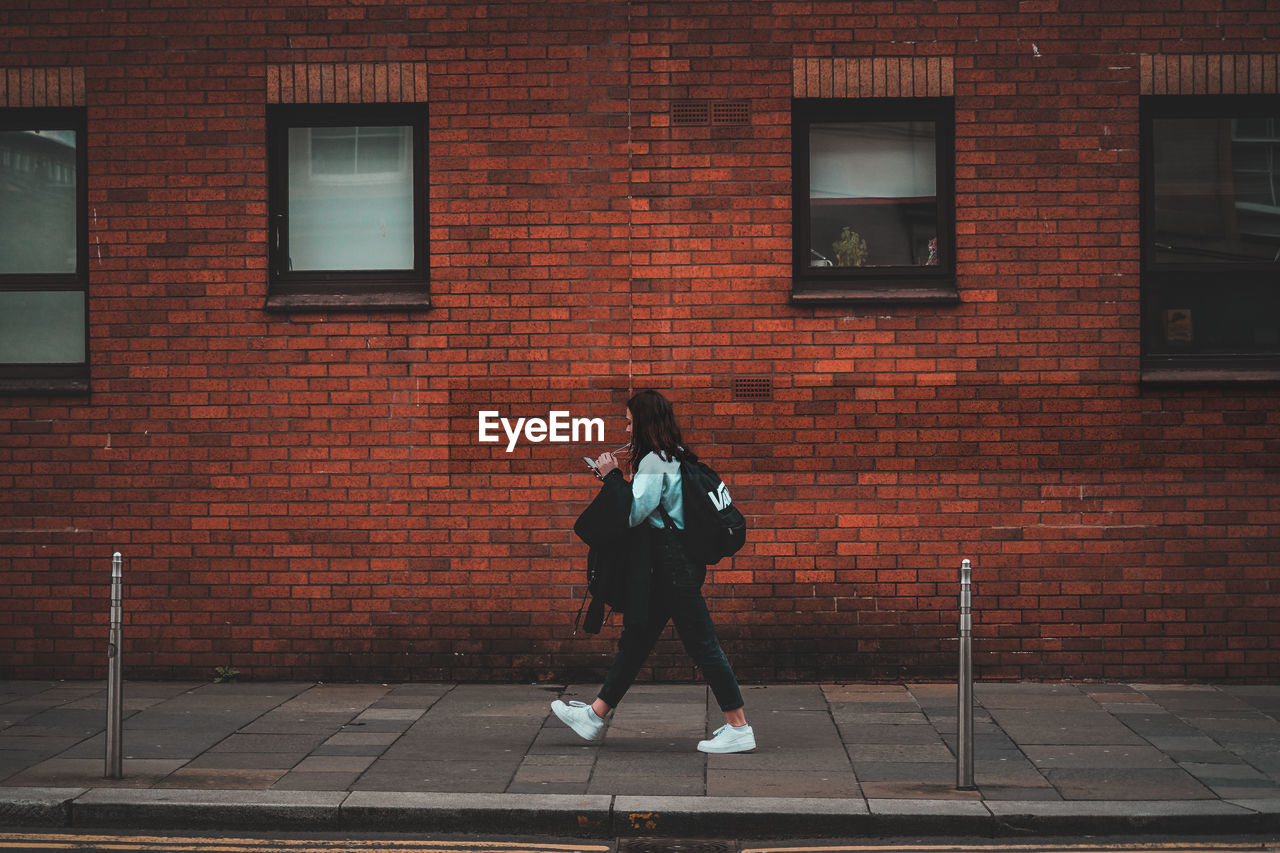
<point x="850" y="249"/>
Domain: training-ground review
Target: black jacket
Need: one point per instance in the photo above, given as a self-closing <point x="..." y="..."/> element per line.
<point x="618" y="562"/>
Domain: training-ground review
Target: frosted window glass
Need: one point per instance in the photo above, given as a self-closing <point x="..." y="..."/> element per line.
<point x="37" y="201"/>
<point x="872" y="160"/>
<point x="350" y="198"/>
<point x="42" y="327"/>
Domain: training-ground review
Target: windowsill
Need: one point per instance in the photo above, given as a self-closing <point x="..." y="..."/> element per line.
<point x="390" y="300"/>
<point x="932" y="294"/>
<point x="1210" y="375"/>
<point x="43" y="387"/>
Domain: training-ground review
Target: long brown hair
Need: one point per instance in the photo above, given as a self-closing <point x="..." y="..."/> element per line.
<point x="654" y="428"/>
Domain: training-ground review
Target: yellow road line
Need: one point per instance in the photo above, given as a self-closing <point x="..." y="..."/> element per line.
<point x="62" y="841"/>
<point x="1173" y="847"/>
<point x="274" y="845"/>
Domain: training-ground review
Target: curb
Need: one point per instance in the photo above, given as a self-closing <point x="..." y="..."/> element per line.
<point x="504" y="814"/>
<point x="609" y="816"/>
<point x="1155" y="817"/>
<point x="739" y="817"/>
<point x="38" y="806"/>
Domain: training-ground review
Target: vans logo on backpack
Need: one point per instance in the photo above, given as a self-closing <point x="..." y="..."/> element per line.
<point x="714" y="527"/>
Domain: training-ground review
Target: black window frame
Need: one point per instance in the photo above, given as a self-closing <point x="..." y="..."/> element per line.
<point x="878" y="284"/>
<point x="54" y="378"/>
<point x="338" y="289"/>
<point x="1160" y="365"/>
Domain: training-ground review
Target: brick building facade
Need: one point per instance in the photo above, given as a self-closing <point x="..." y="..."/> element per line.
<point x="926" y="280"/>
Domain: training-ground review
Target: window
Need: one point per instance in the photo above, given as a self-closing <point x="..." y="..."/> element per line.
<point x="348" y="206"/>
<point x="1211" y="237"/>
<point x="873" y="199"/>
<point x="43" y="251"/>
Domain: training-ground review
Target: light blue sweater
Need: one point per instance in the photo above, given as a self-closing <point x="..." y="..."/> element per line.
<point x="657" y="480"/>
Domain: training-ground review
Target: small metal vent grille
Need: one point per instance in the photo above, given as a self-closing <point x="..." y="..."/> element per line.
<point x="752" y="388"/>
<point x="703" y="113"/>
<point x="689" y="113"/>
<point x="730" y="112"/>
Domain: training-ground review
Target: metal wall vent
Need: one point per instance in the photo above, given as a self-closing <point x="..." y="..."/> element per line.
<point x="730" y="112"/>
<point x="688" y="113"/>
<point x="703" y="113"/>
<point x="752" y="388"/>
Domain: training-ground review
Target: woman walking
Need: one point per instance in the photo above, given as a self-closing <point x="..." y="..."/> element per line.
<point x="675" y="588"/>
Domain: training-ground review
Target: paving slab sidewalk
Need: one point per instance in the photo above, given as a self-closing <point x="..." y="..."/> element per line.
<point x="832" y="759"/>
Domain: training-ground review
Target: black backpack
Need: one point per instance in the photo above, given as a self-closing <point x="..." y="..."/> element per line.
<point x="714" y="529"/>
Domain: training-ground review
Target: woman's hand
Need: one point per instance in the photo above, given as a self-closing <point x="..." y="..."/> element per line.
<point x="605" y="463"/>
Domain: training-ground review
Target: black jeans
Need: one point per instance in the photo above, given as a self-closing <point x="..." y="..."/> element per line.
<point x="676" y="597"/>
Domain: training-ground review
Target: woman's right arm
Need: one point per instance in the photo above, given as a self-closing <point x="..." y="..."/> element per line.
<point x="646" y="489"/>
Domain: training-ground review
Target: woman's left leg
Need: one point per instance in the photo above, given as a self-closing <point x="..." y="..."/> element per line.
<point x="682" y="591"/>
<point x="698" y="634"/>
<point x="699" y="637"/>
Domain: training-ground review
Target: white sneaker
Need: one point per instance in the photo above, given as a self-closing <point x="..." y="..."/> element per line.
<point x="729" y="739"/>
<point x="579" y="717"/>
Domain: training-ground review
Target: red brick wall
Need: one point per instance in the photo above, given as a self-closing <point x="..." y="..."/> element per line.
<point x="302" y="495"/>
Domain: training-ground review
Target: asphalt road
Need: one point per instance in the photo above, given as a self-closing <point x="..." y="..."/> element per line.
<point x="34" y="842"/>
